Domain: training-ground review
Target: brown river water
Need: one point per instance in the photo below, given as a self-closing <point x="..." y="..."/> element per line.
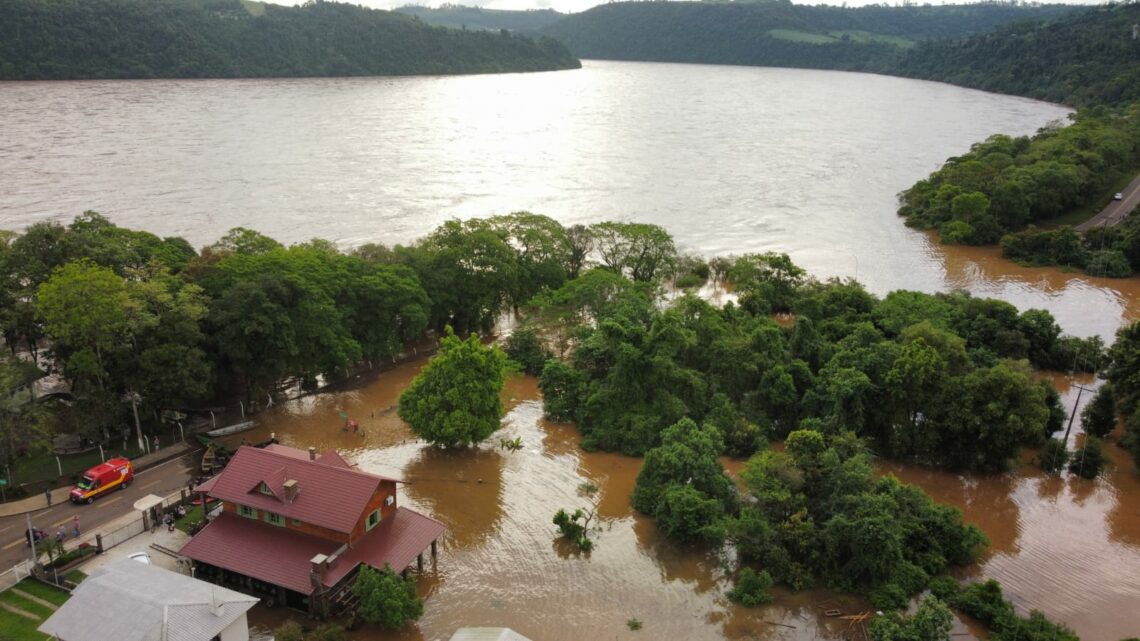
<point x="1066" y="546"/>
<point x="727" y="159"/>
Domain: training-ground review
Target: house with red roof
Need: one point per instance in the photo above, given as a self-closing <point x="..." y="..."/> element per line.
<point x="295" y="527"/>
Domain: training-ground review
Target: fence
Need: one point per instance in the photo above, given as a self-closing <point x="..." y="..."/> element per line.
<point x="9" y="578"/>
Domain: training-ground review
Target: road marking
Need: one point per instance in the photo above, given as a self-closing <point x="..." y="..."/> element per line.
<point x="143" y="487"/>
<point x="110" y="502"/>
<point x="15" y="543"/>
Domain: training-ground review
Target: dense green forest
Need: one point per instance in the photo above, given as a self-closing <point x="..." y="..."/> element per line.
<point x="67" y="39"/>
<point x="461" y="17"/>
<point x="837" y="373"/>
<point x="1005" y="183"/>
<point x="776" y="33"/>
<point x="1088" y="58"/>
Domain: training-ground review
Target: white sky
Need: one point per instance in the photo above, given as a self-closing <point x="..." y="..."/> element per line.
<point x="581" y="5"/>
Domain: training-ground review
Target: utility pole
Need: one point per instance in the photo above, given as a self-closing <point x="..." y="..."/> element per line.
<point x="1080" y="390"/>
<point x="31" y="537"/>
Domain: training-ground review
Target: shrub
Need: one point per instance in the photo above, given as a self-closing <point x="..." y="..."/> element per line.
<point x="573" y="530"/>
<point x="751" y="588"/>
<point x="289" y="631"/>
<point x="525" y="348"/>
<point x="1110" y="263"/>
<point x="386" y="599"/>
<point x="1053" y="456"/>
<point x="1088" y="461"/>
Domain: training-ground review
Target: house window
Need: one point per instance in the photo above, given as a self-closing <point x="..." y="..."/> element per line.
<point x="296" y="521"/>
<point x="264" y="489"/>
<point x="373" y="519"/>
<point x="247" y="511"/>
<point x="275" y="519"/>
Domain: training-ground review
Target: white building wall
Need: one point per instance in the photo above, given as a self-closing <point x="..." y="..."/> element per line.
<point x="237" y="631"/>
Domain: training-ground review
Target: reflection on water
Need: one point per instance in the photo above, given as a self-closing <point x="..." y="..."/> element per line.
<point x="1063" y="545"/>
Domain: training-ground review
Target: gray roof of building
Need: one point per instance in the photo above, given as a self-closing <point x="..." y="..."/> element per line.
<point x="132" y="601"/>
<point x="487" y="634"/>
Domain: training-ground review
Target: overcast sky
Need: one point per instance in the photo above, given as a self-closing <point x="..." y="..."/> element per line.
<point x="582" y="5"/>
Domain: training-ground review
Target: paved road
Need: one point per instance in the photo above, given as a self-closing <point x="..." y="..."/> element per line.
<point x="162" y="479"/>
<point x="1116" y="210"/>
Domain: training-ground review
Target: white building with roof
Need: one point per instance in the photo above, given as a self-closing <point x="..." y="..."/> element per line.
<point x="132" y="601"/>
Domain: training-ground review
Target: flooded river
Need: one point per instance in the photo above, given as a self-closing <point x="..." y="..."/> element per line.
<point x="727" y="159"/>
<point x="1066" y="546"/>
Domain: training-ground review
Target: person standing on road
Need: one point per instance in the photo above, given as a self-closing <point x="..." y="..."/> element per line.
<point x="155" y="443"/>
<point x="75" y="525"/>
<point x="61" y="535"/>
<point x="47" y="495"/>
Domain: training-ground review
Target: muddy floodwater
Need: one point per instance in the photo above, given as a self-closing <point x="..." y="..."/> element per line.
<point x="1066" y="546"/>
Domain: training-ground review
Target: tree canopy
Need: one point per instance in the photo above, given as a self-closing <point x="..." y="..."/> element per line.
<point x="39" y="40"/>
<point x="454" y="400"/>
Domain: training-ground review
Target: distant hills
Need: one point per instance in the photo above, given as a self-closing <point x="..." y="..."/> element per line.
<point x="777" y="33"/>
<point x="68" y="39"/>
<point x="1086" y="58"/>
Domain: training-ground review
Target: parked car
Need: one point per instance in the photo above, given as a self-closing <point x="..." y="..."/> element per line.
<point x="1118" y="196"/>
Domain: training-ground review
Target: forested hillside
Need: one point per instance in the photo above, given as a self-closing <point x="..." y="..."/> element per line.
<point x="460" y="17"/>
<point x="63" y="39"/>
<point x="1090" y="57"/>
<point x="775" y="33"/>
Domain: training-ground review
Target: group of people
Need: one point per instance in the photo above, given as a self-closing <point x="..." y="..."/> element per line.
<point x="169" y="518"/>
<point x="36" y="535"/>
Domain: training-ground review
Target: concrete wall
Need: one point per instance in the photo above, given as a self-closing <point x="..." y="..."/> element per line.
<point x="237" y="631"/>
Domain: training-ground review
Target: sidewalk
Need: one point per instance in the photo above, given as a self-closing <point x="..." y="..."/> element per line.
<point x="60" y="494"/>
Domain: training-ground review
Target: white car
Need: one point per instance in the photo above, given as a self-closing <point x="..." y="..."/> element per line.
<point x="141" y="557"/>
<point x="1118" y="196"/>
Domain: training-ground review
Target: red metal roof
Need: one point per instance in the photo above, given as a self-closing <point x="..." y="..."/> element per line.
<point x="397" y="540"/>
<point x="328" y="495"/>
<point x="333" y="457"/>
<point x="266" y="552"/>
<point x="281" y="556"/>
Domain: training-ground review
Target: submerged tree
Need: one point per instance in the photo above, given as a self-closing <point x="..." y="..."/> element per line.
<point x="386" y="599"/>
<point x="454" y="401"/>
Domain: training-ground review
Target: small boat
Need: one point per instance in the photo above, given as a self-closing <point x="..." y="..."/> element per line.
<point x="231" y="429"/>
<point x="208" y="460"/>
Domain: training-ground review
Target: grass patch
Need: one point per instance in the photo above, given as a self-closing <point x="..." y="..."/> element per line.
<point x="254" y="8"/>
<point x="866" y="37"/>
<point x="27" y="605"/>
<point x="801" y="36"/>
<point x="75" y="577"/>
<point x="44" y="591"/>
<point x="193" y="515"/>
<point x="14" y="626"/>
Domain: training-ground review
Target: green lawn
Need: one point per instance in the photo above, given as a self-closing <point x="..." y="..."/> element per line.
<point x="877" y="38"/>
<point x="801" y="36"/>
<point x="16" y="626"/>
<point x="75" y="577"/>
<point x="45" y="591"/>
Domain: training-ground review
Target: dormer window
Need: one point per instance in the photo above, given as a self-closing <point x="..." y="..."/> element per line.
<point x="264" y="489"/>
